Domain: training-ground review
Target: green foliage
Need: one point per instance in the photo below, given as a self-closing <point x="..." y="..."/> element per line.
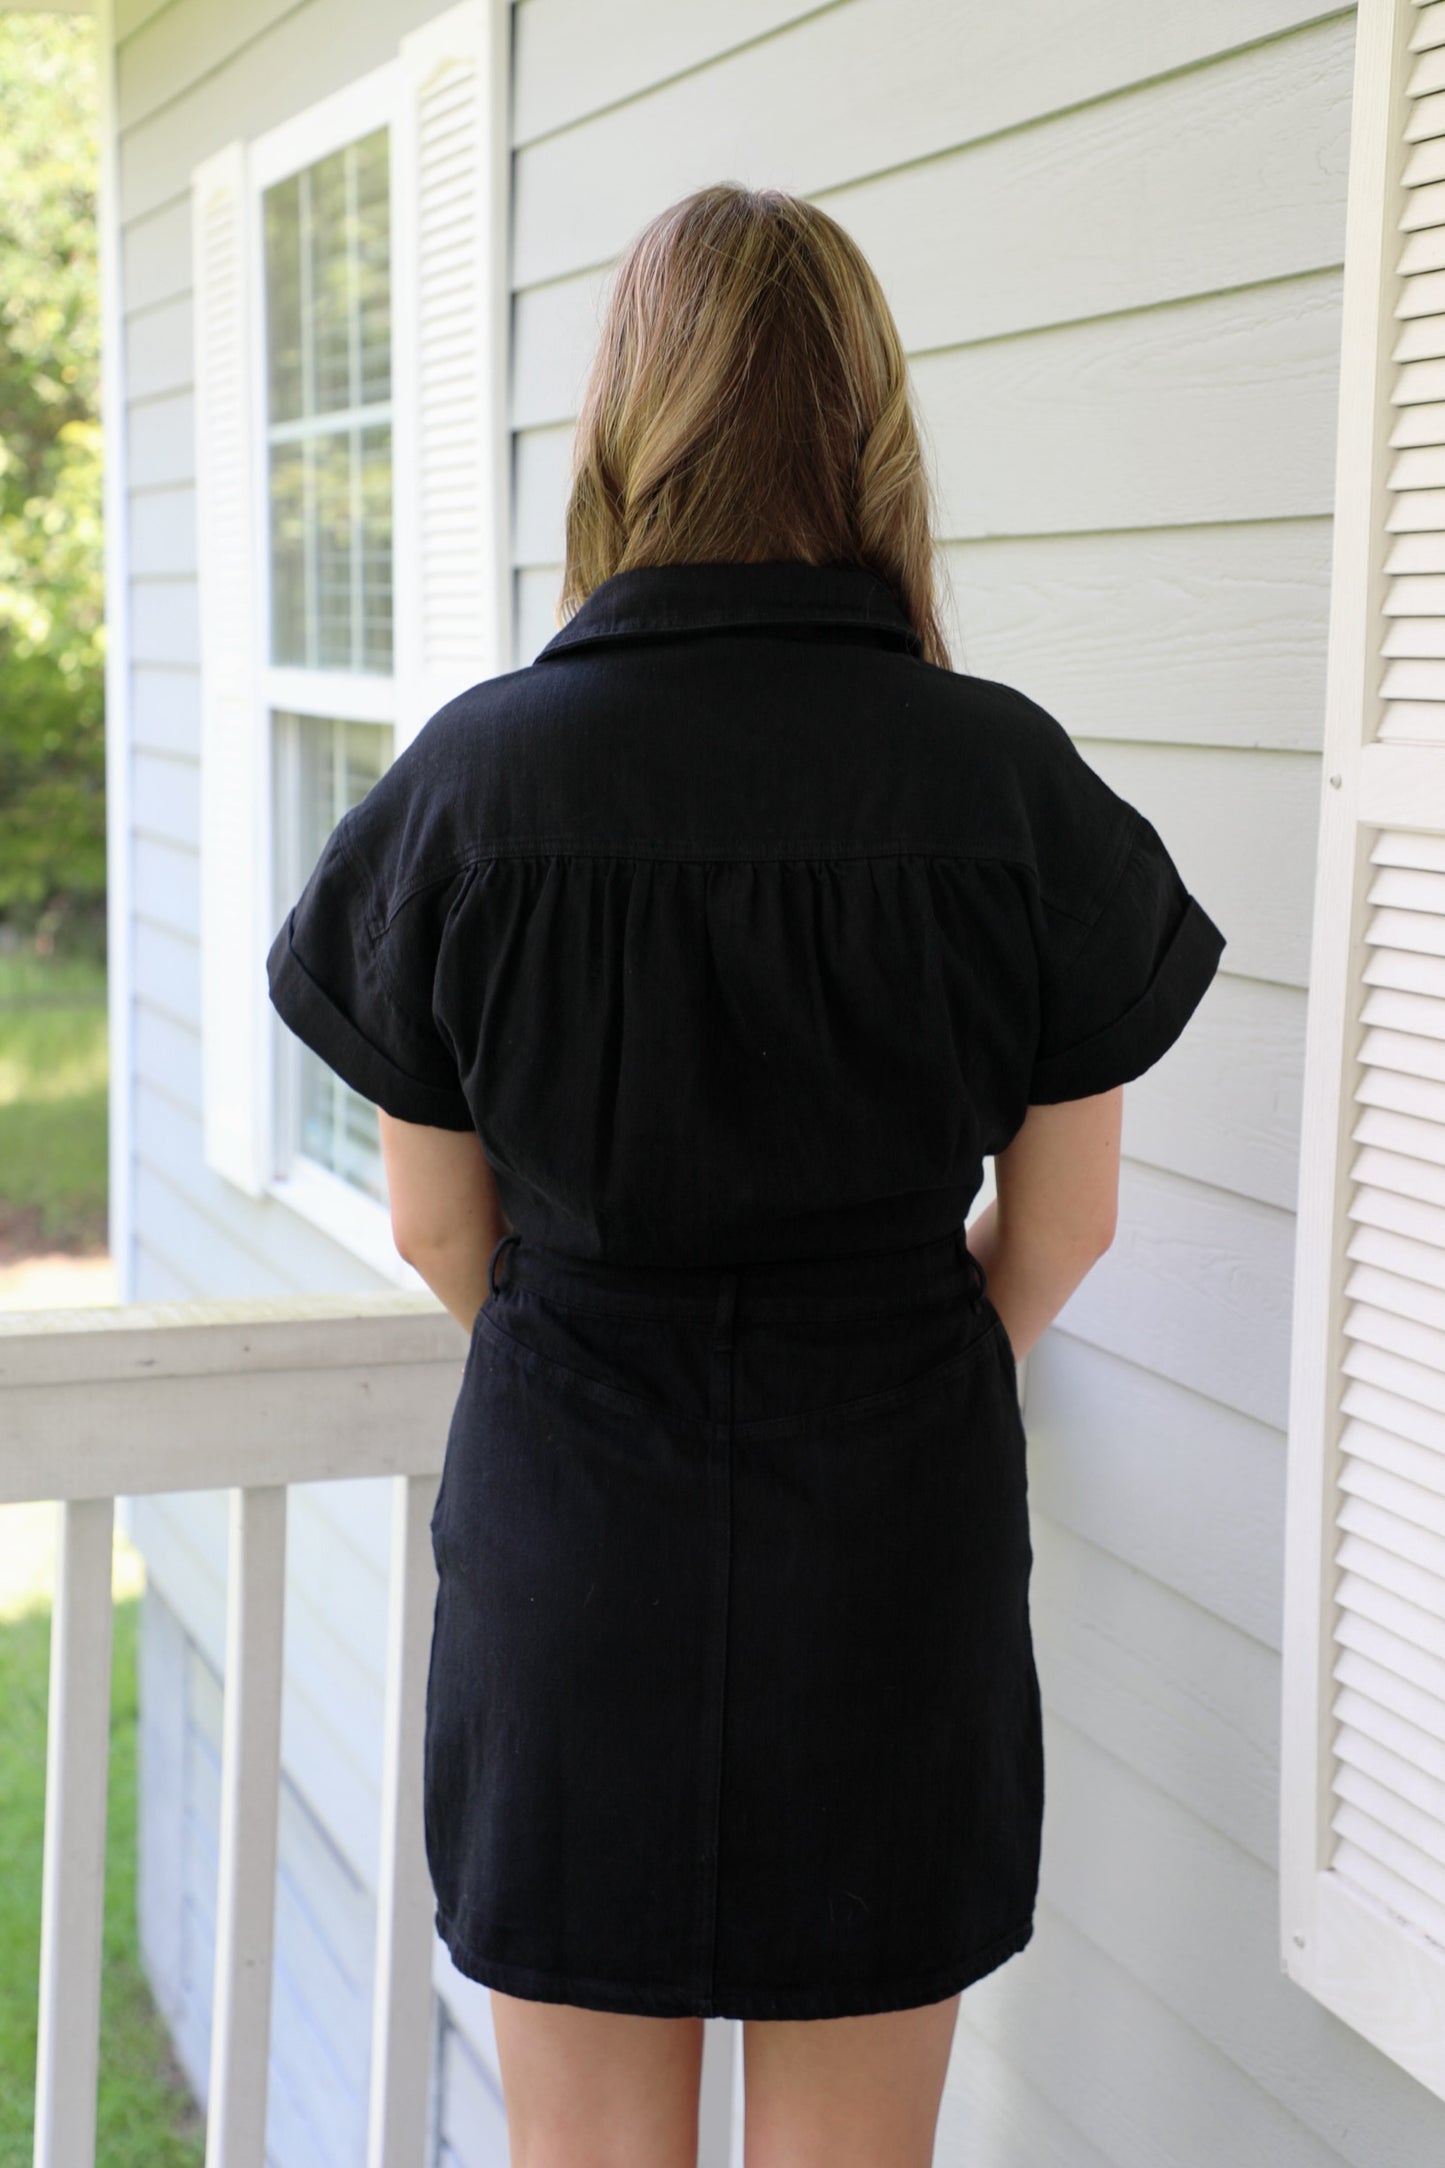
<point x="52" y="713"/>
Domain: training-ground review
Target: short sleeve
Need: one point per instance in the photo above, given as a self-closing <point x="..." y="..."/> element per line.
<point x="354" y="979"/>
<point x="1117" y="989"/>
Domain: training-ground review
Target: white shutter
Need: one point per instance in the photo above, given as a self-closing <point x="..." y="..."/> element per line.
<point x="234" y="929"/>
<point x="1362" y="1800"/>
<point x="451" y="446"/>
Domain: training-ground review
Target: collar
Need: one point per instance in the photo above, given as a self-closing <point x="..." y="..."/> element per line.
<point x="647" y="600"/>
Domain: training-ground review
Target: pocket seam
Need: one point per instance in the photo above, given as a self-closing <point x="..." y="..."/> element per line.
<point x="883" y="1402"/>
<point x="613" y="1396"/>
<point x="886" y="1399"/>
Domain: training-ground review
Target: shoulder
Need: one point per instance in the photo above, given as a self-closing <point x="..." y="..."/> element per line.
<point x="1024" y="735"/>
<point x="474" y="730"/>
<point x="422" y="823"/>
<point x="1028" y="792"/>
<point x="1020" y="736"/>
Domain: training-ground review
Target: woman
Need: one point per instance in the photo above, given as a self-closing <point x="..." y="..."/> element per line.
<point x="696" y="968"/>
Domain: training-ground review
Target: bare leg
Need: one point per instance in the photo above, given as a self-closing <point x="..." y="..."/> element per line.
<point x="846" y="2092"/>
<point x="595" y="2088"/>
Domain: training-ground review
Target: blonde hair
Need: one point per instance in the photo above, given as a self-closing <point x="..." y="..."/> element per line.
<point x="749" y="401"/>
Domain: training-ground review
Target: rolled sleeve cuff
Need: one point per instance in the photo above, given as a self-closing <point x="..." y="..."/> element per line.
<point x="1145" y="1032"/>
<point x="308" y="1010"/>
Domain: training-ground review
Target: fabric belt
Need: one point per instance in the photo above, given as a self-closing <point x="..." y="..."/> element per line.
<point x="864" y="1281"/>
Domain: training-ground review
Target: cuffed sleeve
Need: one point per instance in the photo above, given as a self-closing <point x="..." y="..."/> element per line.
<point x="1115" y="1001"/>
<point x="358" y="993"/>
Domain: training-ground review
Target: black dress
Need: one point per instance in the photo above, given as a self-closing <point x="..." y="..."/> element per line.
<point x="741" y="936"/>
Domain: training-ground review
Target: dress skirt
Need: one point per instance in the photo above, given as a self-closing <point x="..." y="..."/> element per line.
<point x="732" y="1708"/>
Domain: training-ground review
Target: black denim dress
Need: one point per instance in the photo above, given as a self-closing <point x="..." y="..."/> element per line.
<point x="740" y="936"/>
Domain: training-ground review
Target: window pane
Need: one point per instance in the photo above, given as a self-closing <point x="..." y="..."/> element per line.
<point x="283" y="298"/>
<point x="376" y="547"/>
<point x="330" y="286"/>
<point x="288" y="553"/>
<point x="328" y="304"/>
<point x="373" y="268"/>
<point x="336" y="764"/>
<point x="317" y="811"/>
<point x="366" y="749"/>
<point x="332" y="457"/>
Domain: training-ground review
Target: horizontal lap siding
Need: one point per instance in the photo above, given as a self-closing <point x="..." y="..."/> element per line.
<point x="848" y="92"/>
<point x="1112" y="238"/>
<point x="164" y="879"/>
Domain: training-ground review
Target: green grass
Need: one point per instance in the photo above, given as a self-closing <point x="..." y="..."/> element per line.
<point x="54" y="1070"/>
<point x="145" y="2115"/>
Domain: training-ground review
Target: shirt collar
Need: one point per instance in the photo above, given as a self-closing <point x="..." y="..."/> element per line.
<point x="647" y="600"/>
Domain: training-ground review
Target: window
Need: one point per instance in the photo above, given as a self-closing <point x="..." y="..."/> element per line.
<point x="328" y="410"/>
<point x="323" y="766"/>
<point x="353" y="532"/>
<point x="326" y="332"/>
<point x="1362" y="1791"/>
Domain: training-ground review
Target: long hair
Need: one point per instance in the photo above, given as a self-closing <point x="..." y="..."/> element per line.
<point x="749" y="400"/>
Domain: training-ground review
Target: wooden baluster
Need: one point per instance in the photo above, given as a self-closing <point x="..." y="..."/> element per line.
<point x="77" y="1770"/>
<point x="250" y="1805"/>
<point x="402" y="2030"/>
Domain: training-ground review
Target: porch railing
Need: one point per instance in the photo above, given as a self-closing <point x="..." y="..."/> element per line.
<point x="248" y="1396"/>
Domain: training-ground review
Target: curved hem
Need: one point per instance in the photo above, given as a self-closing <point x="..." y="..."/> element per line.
<point x="636" y="2000"/>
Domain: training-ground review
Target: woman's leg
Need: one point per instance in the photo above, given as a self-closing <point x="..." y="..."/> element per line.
<point x="846" y="2092"/>
<point x="596" y="2089"/>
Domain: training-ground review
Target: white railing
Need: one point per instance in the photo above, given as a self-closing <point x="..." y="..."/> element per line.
<point x="249" y="1396"/>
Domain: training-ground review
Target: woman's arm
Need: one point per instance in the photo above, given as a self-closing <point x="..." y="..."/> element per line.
<point x="446" y="1216"/>
<point x="1054" y="1211"/>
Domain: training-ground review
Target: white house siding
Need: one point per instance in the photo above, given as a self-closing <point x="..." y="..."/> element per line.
<point x="1112" y="237"/>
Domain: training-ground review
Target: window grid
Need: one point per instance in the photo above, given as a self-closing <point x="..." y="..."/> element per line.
<point x="324" y="766"/>
<point x="338" y="452"/>
<point x="327" y="380"/>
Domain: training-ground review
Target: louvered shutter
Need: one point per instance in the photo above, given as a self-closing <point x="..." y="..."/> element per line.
<point x="451" y="461"/>
<point x="234" y="931"/>
<point x="1362" y="1830"/>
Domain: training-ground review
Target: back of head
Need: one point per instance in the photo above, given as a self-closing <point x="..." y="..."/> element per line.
<point x="749" y="401"/>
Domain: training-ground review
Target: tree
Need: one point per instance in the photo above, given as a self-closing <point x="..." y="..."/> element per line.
<point x="52" y="706"/>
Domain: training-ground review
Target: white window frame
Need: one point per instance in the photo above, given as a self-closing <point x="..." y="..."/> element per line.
<point x="357" y="1222"/>
<point x="445" y="99"/>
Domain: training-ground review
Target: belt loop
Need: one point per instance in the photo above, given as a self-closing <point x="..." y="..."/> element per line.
<point x="492" y="1266"/>
<point x="977" y="1275"/>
